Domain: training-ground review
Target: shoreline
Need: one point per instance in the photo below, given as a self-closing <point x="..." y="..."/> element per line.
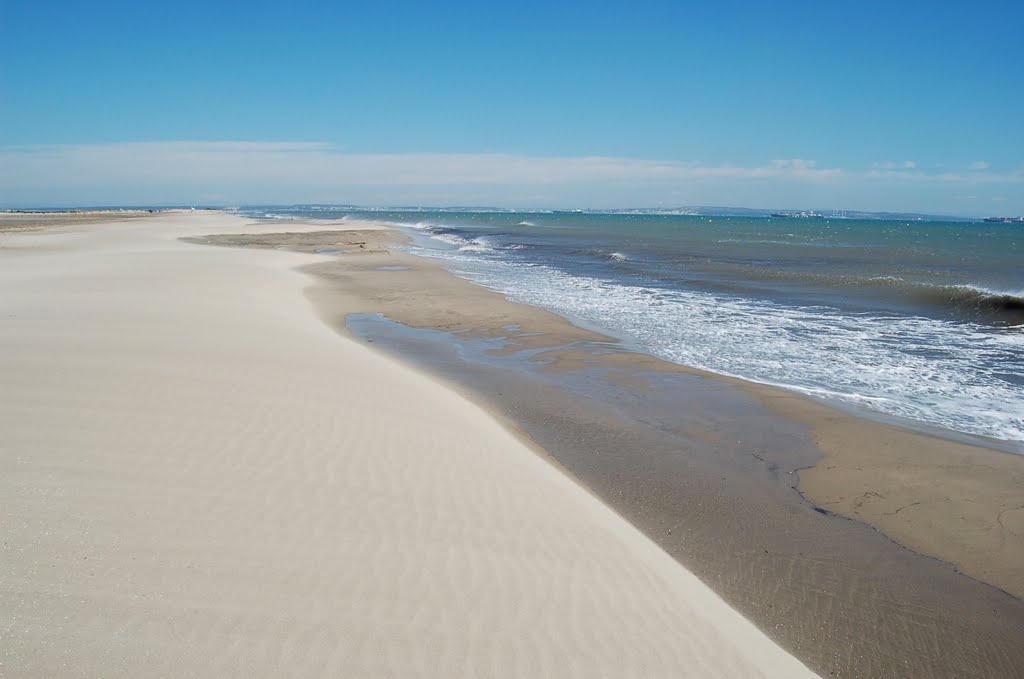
<point x="819" y="414"/>
<point x="835" y="425"/>
<point x="203" y="478"/>
<point x="469" y="313"/>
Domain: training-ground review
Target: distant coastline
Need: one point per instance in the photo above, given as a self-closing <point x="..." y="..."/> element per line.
<point x="696" y="211"/>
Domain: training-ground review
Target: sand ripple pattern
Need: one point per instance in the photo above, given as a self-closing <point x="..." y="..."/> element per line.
<point x="201" y="479"/>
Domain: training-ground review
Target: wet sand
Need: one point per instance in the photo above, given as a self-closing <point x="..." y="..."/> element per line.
<point x="746" y="485"/>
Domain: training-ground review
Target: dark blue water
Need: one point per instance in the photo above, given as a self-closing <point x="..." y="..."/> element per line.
<point x="921" y="320"/>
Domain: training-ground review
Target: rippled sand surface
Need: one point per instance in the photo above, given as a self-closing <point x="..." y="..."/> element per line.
<point x="200" y="478"/>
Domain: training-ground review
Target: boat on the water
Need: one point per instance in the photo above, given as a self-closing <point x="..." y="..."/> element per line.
<point x="806" y="214"/>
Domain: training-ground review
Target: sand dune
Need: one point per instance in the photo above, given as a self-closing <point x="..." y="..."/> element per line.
<point x="200" y="478"/>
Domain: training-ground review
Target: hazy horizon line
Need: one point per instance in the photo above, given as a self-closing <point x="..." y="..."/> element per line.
<point x="677" y="210"/>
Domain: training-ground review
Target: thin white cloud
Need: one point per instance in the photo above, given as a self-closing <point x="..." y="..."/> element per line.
<point x="979" y="165"/>
<point x="241" y="172"/>
<point x="948" y="177"/>
<point x="289" y="163"/>
<point x="889" y="165"/>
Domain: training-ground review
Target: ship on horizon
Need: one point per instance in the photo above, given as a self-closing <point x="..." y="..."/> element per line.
<point x="805" y="214"/>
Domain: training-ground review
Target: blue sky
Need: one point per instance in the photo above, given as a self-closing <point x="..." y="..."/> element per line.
<point x="859" y="105"/>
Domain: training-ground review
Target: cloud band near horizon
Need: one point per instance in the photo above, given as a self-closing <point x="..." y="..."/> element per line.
<point x="287" y="172"/>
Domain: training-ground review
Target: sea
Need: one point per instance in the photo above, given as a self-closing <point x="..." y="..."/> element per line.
<point x="917" y="321"/>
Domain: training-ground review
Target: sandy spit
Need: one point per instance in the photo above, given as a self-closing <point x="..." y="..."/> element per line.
<point x="201" y="478"/>
<point x="725" y="499"/>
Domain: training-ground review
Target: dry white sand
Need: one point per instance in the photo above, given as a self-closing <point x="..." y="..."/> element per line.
<point x="199" y="478"/>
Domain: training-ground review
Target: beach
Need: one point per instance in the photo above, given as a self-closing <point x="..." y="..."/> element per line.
<point x="750" y="487"/>
<point x="202" y="477"/>
<point x="511" y="341"/>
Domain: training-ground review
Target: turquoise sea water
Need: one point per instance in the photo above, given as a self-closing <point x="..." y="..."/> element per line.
<point x="919" y="320"/>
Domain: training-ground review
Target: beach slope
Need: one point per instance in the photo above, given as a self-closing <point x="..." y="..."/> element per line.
<point x="201" y="478"/>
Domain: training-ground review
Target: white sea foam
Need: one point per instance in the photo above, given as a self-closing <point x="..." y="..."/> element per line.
<point x="476" y="246"/>
<point x="992" y="292"/>
<point x="451" y="239"/>
<point x="955" y="375"/>
<point x="463" y="244"/>
<point x="416" y="225"/>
